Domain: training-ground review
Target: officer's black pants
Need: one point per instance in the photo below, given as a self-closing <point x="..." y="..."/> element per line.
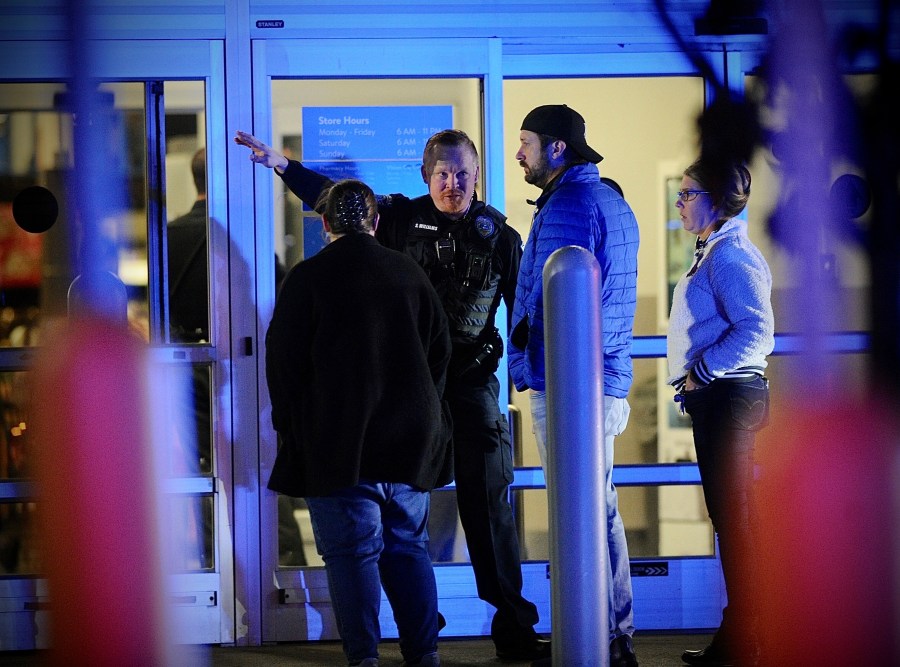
<point x="483" y="472"/>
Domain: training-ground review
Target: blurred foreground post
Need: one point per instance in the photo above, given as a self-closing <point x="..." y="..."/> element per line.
<point x="829" y="461"/>
<point x="97" y="498"/>
<point x="95" y="471"/>
<point x="827" y="527"/>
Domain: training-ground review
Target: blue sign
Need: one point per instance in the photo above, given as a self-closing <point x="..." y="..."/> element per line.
<point x="381" y="146"/>
<point x="371" y="133"/>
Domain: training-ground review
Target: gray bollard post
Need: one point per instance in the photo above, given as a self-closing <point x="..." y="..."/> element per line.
<point x="575" y="459"/>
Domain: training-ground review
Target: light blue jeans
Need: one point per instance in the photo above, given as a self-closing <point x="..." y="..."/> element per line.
<point x="615" y="416"/>
<point x="373" y="535"/>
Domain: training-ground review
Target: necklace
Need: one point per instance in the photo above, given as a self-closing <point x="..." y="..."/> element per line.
<point x="699" y="249"/>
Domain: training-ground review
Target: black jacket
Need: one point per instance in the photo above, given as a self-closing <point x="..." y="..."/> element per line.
<point x="356" y="362"/>
<point x="188" y="283"/>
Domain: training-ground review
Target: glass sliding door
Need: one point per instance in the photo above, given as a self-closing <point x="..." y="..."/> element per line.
<point x="312" y="113"/>
<point x="156" y="122"/>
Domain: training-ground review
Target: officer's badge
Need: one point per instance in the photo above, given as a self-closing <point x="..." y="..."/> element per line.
<point x="485" y="226"/>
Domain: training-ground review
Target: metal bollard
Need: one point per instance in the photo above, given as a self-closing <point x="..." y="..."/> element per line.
<point x="575" y="459"/>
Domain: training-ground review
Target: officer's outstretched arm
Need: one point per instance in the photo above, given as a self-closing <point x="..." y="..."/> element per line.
<point x="261" y="153"/>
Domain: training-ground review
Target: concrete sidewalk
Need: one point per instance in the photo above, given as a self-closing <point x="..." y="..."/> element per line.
<point x="653" y="650"/>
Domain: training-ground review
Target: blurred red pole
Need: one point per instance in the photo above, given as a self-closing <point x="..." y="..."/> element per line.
<point x="96" y="491"/>
<point x="827" y="517"/>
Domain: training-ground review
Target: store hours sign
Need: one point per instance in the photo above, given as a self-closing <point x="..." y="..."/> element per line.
<point x="381" y="146"/>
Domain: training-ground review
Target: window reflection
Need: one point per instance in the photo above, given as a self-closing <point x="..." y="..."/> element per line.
<point x="37" y="150"/>
<point x="18" y="543"/>
<point x="296" y="545"/>
<point x="187" y="228"/>
<point x="192" y="542"/>
<point x="14" y="432"/>
<point x="18" y="553"/>
<point x="188" y="406"/>
<point x="20" y="269"/>
<point x="184" y="437"/>
<point x="38" y="265"/>
<point x="534" y="542"/>
<point x="187" y="248"/>
<point x="681" y="523"/>
<point x="447" y="541"/>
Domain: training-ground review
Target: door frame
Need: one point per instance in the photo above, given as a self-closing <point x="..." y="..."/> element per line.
<point x="202" y="603"/>
<point x="296" y="602"/>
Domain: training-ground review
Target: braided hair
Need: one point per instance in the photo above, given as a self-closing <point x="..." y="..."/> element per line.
<point x="349" y="206"/>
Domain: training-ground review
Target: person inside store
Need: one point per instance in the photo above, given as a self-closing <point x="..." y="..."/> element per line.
<point x="188" y="282"/>
<point x="186" y="246"/>
<point x="356" y="365"/>
<point x="471" y="256"/>
<point x="721" y="329"/>
<point x="576" y="209"/>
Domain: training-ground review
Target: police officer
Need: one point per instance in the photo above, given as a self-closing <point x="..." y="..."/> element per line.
<point x="472" y="258"/>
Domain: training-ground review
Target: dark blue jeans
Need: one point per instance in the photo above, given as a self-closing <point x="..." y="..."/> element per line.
<point x="726" y="416"/>
<point x="373" y="535"/>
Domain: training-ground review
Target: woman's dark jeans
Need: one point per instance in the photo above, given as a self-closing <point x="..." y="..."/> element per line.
<point x="370" y="536"/>
<point x="726" y="416"/>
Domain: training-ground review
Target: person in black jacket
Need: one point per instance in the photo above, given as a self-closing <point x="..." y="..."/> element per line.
<point x="471" y="257"/>
<point x="188" y="261"/>
<point x="356" y="363"/>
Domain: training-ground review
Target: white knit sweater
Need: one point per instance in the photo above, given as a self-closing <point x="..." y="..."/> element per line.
<point x="721" y="324"/>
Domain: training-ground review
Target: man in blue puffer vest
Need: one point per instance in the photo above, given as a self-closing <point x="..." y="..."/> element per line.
<point x="575" y="208"/>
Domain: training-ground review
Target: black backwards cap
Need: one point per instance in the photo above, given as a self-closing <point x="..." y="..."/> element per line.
<point x="561" y="122"/>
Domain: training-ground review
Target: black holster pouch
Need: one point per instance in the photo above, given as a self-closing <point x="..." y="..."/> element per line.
<point x="481" y="359"/>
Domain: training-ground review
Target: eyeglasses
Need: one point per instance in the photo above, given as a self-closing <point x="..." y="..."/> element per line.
<point x="690" y="195"/>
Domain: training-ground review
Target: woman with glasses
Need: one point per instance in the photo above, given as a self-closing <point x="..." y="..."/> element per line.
<point x="721" y="330"/>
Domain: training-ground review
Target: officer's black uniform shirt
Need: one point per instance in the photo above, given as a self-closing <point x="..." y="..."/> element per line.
<point x="470" y="274"/>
